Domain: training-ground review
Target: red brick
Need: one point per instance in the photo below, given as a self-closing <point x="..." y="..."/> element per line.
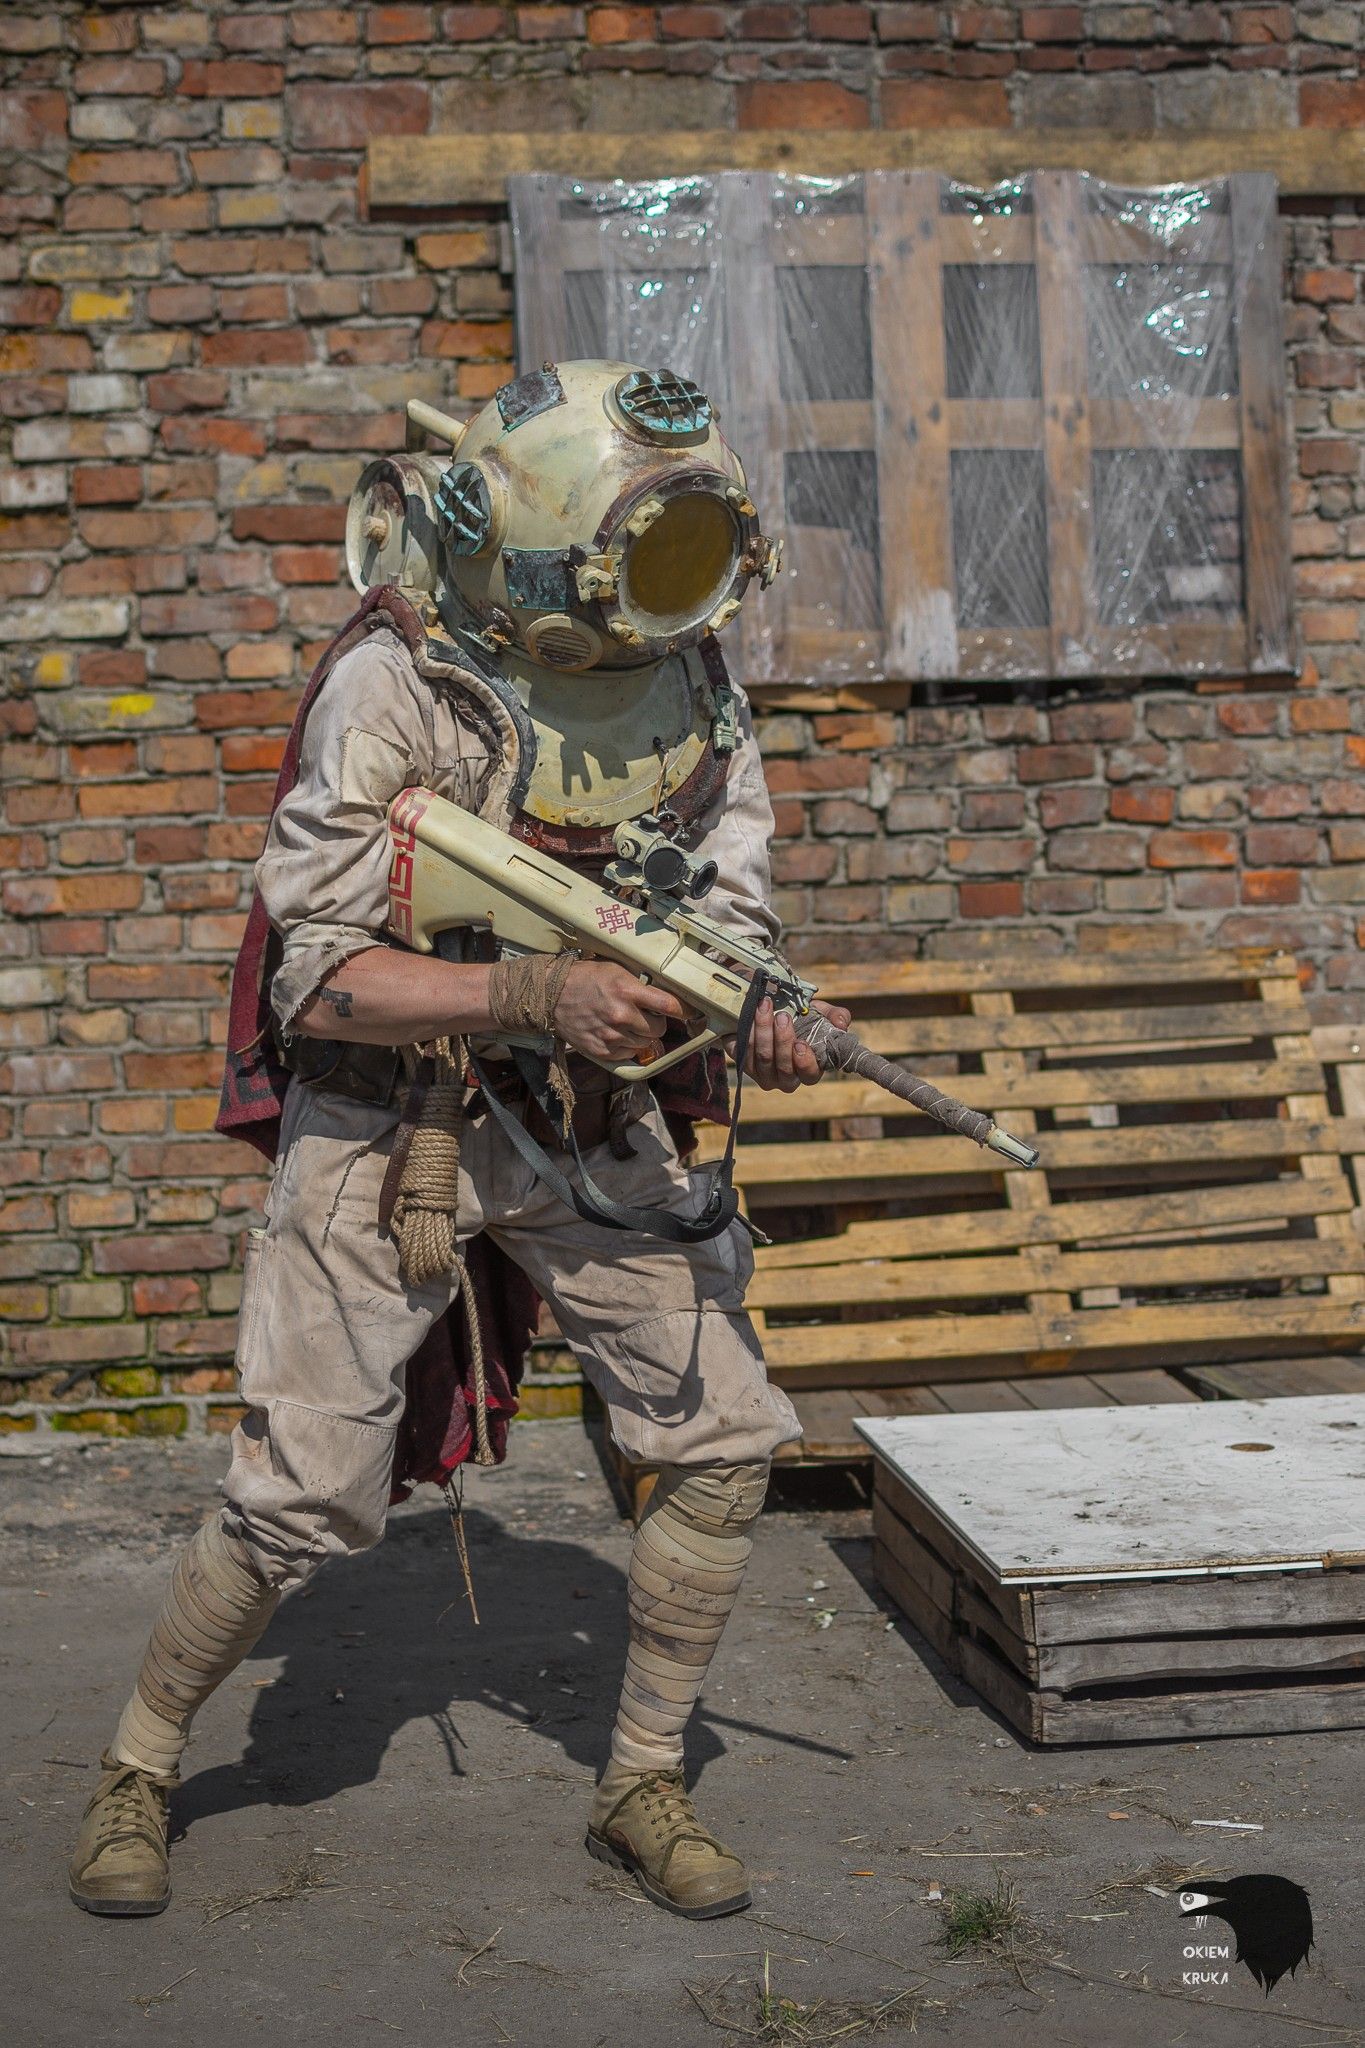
<point x="222" y="437"/>
<point x="1249" y="715"/>
<point x="251" y="31"/>
<point x="1073" y="804"/>
<point x="223" y="709"/>
<point x="308" y="565"/>
<point x="289" y="522"/>
<point x="692" y="24"/>
<point x="155" y="844"/>
<point x="1055" y="763"/>
<point x="1271" y="885"/>
<point x="544" y="23"/>
<point x="169" y="1295"/>
<point x="314" y="27"/>
<point x="111" y="76"/>
<point x="389" y="25"/>
<point x="110" y="484"/>
<point x="801" y="104"/>
<point x="329" y="115"/>
<point x="67" y="895"/>
<point x="944" y="103"/>
<point x="288" y="345"/>
<point x="467" y="338"/>
<point x="230" y="78"/>
<point x="127" y="168"/>
<point x="1142" y="804"/>
<point x="1325" y="286"/>
<point x="1320" y="714"/>
<point x="187" y="391"/>
<point x="1175" y="849"/>
<point x="249" y="754"/>
<point x="839" y="23"/>
<point x="253" y="302"/>
<point x="35" y="305"/>
<point x="1051" y="24"/>
<point x="1282" y="845"/>
<point x="991" y="899"/>
<point x="473" y="24"/>
<point x="174" y="1251"/>
<point x="1332" y="103"/>
<point x="621" y="25"/>
<point x="32" y="120"/>
<point x="241" y="612"/>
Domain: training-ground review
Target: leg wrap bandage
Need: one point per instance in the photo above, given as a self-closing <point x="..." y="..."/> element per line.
<point x="685" y="1569"/>
<point x="216" y="1608"/>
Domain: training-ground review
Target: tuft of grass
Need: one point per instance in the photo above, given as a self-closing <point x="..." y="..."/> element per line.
<point x="980" y="1922"/>
<point x="771" y="2017"/>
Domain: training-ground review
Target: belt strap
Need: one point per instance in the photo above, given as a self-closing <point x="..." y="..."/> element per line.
<point x="594" y="1205"/>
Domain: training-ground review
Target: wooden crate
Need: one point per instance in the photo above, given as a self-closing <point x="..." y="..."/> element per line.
<point x="1164" y="1649"/>
<point x="1194" y="1203"/>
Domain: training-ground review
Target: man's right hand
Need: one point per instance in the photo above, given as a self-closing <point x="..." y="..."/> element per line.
<point x="605" y="1012"/>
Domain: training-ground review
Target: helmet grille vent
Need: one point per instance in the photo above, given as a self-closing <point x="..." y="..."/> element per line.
<point x="561" y="644"/>
<point x="664" y="404"/>
<point x="464" y="508"/>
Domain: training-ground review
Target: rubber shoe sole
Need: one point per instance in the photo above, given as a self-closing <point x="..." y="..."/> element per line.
<point x="599" y="1847"/>
<point x="118" y="1909"/>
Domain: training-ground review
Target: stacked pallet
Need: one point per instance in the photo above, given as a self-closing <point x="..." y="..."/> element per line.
<point x="1194" y="1204"/>
<point x="1133" y="1574"/>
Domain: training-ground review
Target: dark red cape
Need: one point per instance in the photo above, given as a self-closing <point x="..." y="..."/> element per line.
<point x="437" y="1431"/>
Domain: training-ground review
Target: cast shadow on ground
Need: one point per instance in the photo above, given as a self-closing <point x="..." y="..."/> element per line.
<point x="377" y="1641"/>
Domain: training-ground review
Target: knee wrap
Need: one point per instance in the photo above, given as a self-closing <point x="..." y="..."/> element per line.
<point x="215" y="1610"/>
<point x="686" y="1566"/>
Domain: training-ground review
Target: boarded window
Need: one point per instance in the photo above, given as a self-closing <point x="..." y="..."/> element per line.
<point x="1036" y="431"/>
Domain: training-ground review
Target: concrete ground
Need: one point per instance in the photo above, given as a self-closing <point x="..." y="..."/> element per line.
<point x="380" y="1829"/>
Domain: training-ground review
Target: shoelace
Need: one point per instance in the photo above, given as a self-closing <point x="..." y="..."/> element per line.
<point x="676" y="1814"/>
<point x="130" y="1811"/>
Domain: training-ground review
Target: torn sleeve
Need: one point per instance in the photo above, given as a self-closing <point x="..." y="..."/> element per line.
<point x="323" y="875"/>
<point x="736" y="832"/>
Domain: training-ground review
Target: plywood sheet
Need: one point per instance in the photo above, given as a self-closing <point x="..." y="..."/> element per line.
<point x="1041" y="1495"/>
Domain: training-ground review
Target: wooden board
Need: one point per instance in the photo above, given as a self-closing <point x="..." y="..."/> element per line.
<point x="1145" y="1491"/>
<point x="451" y="171"/>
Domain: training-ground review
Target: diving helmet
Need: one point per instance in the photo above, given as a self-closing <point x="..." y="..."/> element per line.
<point x="591" y="515"/>
<point x="590" y="522"/>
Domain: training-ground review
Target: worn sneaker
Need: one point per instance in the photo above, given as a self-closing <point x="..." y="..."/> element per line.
<point x="645" y="1823"/>
<point x="121" y="1864"/>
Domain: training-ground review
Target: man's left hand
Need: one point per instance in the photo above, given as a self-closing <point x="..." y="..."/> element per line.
<point x="777" y="1057"/>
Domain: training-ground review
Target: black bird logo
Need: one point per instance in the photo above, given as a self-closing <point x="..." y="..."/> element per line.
<point x="1270" y="1916"/>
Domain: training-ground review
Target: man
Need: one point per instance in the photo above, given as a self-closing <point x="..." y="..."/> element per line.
<point x="416" y="695"/>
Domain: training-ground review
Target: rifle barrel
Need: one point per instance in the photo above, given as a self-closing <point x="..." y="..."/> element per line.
<point x="843" y="1051"/>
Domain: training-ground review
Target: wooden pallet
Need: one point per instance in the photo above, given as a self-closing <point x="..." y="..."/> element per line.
<point x="1194" y="1203"/>
<point x="1105" y="1661"/>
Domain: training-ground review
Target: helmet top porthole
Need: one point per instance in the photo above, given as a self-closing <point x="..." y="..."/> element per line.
<point x="664" y="405"/>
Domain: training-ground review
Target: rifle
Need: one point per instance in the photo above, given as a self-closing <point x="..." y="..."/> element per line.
<point x="453" y="871"/>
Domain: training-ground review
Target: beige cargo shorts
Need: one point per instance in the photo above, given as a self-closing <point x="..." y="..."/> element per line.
<point x="327" y="1325"/>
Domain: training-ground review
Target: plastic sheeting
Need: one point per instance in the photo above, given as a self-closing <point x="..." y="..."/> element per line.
<point x="1004" y="433"/>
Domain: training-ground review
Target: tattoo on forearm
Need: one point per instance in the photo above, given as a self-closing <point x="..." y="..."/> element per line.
<point x="340" y="1000"/>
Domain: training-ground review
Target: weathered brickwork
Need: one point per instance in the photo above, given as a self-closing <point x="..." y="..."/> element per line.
<point x="202" y="335"/>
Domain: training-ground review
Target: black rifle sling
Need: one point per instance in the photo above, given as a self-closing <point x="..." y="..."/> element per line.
<point x="593" y="1203"/>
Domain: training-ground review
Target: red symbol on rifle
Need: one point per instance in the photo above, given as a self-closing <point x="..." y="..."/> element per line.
<point x="614" y="917"/>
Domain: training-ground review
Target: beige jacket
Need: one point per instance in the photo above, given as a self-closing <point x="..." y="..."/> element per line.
<point x="377" y="727"/>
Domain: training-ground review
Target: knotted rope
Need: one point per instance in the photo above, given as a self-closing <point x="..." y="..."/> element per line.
<point x="425" y="1214"/>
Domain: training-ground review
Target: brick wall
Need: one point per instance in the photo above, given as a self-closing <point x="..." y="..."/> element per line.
<point x="202" y="336"/>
